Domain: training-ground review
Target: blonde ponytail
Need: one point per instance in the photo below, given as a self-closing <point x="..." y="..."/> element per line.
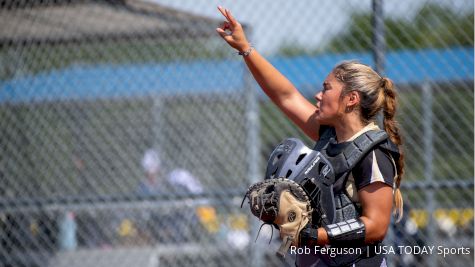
<point x="391" y="127"/>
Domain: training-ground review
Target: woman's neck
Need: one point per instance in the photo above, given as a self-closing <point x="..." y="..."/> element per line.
<point x="346" y="129"/>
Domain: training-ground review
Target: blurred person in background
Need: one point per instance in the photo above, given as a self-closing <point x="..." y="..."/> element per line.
<point x="176" y="222"/>
<point x="352" y="95"/>
<point x="157" y="181"/>
<point x="154" y="183"/>
<point x="158" y="226"/>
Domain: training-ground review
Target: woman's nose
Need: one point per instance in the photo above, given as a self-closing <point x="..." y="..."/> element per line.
<point x="318" y="96"/>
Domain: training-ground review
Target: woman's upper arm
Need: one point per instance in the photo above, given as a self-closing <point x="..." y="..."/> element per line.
<point x="374" y="177"/>
<point x="301" y="112"/>
<point x="376" y="202"/>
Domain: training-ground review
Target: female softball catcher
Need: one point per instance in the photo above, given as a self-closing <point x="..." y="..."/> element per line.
<point x="340" y="193"/>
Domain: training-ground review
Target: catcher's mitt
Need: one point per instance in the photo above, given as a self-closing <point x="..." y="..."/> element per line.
<point x="283" y="203"/>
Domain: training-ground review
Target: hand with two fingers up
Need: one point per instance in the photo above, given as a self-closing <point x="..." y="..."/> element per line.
<point x="232" y="32"/>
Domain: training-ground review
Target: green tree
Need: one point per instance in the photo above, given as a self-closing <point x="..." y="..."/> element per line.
<point x="434" y="26"/>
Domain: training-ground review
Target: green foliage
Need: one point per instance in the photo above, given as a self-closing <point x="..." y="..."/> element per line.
<point x="290" y="49"/>
<point x="357" y="38"/>
<point x="452" y="126"/>
<point x="434" y="26"/>
<point x="43" y="140"/>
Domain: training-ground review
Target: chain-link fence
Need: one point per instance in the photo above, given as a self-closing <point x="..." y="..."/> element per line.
<point x="130" y="130"/>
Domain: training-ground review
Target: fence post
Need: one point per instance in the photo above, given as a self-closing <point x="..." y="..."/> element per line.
<point x="158" y="125"/>
<point x="378" y="51"/>
<point x="253" y="148"/>
<point x="377" y="22"/>
<point x="378" y="37"/>
<point x="428" y="164"/>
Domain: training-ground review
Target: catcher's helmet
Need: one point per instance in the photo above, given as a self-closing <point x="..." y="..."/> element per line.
<point x="288" y="159"/>
<point x="293" y="160"/>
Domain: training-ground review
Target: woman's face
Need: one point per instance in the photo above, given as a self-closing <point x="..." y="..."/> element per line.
<point x="329" y="103"/>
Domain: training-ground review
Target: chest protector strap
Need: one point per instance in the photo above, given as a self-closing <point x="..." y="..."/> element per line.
<point x="345" y="156"/>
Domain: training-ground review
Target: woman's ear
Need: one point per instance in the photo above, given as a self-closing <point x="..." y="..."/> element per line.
<point x="353" y="99"/>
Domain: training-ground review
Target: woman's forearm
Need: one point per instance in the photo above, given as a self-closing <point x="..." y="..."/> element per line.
<point x="272" y="82"/>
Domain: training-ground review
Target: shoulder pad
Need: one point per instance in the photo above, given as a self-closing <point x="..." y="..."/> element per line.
<point x="391" y="147"/>
<point x="362" y="145"/>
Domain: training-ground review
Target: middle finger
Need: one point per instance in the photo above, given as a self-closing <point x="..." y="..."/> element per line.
<point x="223" y="12"/>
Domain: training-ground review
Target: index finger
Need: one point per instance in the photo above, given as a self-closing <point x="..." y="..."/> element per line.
<point x="223" y="12"/>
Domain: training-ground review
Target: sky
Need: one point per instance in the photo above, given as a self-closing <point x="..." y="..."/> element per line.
<point x="308" y="23"/>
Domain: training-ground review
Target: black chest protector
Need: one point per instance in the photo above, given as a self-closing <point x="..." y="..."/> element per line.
<point x="323" y="171"/>
<point x="324" y="177"/>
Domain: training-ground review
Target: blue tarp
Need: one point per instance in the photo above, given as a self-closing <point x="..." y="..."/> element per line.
<point x="407" y="66"/>
<point x="135" y="80"/>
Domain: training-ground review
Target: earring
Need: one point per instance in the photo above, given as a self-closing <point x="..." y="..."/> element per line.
<point x="348" y="109"/>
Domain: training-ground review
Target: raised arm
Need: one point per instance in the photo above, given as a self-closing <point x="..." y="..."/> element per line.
<point x="279" y="89"/>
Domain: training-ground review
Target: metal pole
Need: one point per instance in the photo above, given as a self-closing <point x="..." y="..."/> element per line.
<point x="157" y="124"/>
<point x="378" y="50"/>
<point x="378" y="40"/>
<point x="428" y="165"/>
<point x="253" y="147"/>
<point x="378" y="37"/>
